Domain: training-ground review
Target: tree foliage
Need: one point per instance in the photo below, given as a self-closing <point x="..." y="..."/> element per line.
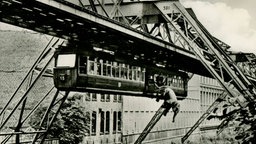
<point x="71" y="124"/>
<point x="243" y="121"/>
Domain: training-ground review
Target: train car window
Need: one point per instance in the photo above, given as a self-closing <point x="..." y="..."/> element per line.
<point x="94" y="122"/>
<point x="102" y="120"/>
<point x="182" y="83"/>
<point x="124" y="71"/>
<point x="134" y="73"/>
<point x="91" y="67"/>
<point x="118" y="70"/>
<point x="66" y="60"/>
<point x="119" y="121"/>
<point x="170" y="81"/>
<point x="107" y="122"/>
<point x="99" y="67"/>
<point x="130" y="73"/>
<point x="114" y="69"/>
<point x="175" y="82"/>
<point x="104" y="68"/>
<point x="143" y="75"/>
<point x="178" y="82"/>
<point x="138" y="74"/>
<point x="150" y="79"/>
<point x="109" y="68"/>
<point x="114" y="121"/>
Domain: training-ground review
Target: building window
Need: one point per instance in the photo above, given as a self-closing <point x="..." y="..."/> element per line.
<point x="107" y="121"/>
<point x="94" y="96"/>
<point x="102" y="97"/>
<point x="102" y="119"/>
<point x="94" y="122"/>
<point x="107" y="97"/>
<point x="119" y="121"/>
<point x="87" y="97"/>
<point x="88" y="115"/>
<point x="114" y="121"/>
<point x="119" y="98"/>
<point x="115" y="98"/>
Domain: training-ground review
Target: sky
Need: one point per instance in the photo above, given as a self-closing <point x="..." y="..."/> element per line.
<point x="231" y="21"/>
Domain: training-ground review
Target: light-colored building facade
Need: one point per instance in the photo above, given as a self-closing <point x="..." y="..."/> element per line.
<point x="105" y="113"/>
<point x="121" y="119"/>
<point x="137" y="112"/>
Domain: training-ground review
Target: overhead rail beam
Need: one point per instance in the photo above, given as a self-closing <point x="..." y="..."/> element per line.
<point x="63" y="19"/>
<point x="86" y="16"/>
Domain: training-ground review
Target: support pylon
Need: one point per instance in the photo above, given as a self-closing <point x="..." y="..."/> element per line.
<point x="163" y="109"/>
<point x="29" y="82"/>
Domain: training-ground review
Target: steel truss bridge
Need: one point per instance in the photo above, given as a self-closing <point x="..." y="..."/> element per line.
<point x="151" y="32"/>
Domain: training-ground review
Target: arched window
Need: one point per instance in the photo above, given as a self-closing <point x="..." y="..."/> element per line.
<point x="107" y="122"/>
<point x="94" y="122"/>
<point x="119" y="121"/>
<point x="102" y="120"/>
<point x="114" y="121"/>
<point x="88" y="114"/>
<point x="115" y="98"/>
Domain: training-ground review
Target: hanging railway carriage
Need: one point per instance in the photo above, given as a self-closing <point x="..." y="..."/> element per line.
<point x="84" y="71"/>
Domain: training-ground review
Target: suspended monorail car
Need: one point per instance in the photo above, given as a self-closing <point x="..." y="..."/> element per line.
<point x="82" y="71"/>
